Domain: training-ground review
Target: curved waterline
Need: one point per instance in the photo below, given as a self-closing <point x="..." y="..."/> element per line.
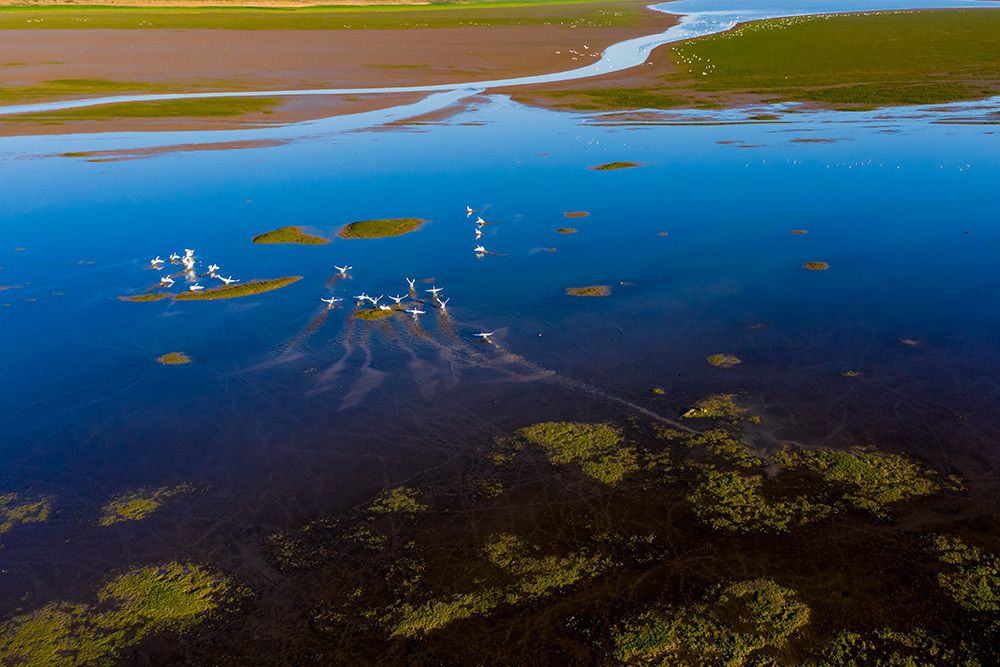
<point x="698" y="18"/>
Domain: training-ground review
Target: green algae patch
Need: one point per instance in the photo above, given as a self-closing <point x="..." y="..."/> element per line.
<point x="289" y="235"/>
<point x="869" y="480"/>
<point x="173" y="359"/>
<point x="137" y="505"/>
<point x="590" y="290"/>
<point x="716" y="406"/>
<point x="576" y="214"/>
<point x="728" y="627"/>
<point x="724" y="360"/>
<point x="891" y="648"/>
<point x="16" y="510"/>
<point x="372" y="314"/>
<point x="734" y="502"/>
<point x="566" y="230"/>
<point x="816" y="266"/>
<point x="238" y="290"/>
<point x="613" y="166"/>
<point x="726" y="446"/>
<point x="972" y="575"/>
<point x="141" y="298"/>
<point x="211" y="107"/>
<point x="377" y="229"/>
<point x="532" y="576"/>
<point x="597" y="449"/>
<point x="400" y="500"/>
<point x="145" y="601"/>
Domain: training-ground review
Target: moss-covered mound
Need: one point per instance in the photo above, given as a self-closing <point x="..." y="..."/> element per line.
<point x="889" y="648"/>
<point x="15" y="510"/>
<point x="724" y="360"/>
<point x="726" y="628"/>
<point x="576" y="214"/>
<point x="717" y="406"/>
<point x="173" y="359"/>
<point x="971" y="576"/>
<point x="566" y="230"/>
<point x="799" y="232"/>
<point x="137" y="505"/>
<point x="590" y="290"/>
<point x="370" y="314"/>
<point x="611" y="166"/>
<point x="172" y="597"/>
<point x="399" y="500"/>
<point x="237" y="290"/>
<point x="816" y="266"/>
<point x="598" y="449"/>
<point x="141" y="298"/>
<point x="376" y="229"/>
<point x="290" y="235"/>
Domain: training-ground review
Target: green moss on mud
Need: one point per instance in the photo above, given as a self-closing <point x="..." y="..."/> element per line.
<point x="173" y="359"/>
<point x="972" y="575"/>
<point x="289" y="235"/>
<point x="16" y="510"/>
<point x="377" y="229"/>
<point x="589" y="290"/>
<point x="597" y="449"/>
<point x="373" y="314"/>
<point x="613" y="166"/>
<point x="137" y="505"/>
<point x="724" y="360"/>
<point x="891" y="648"/>
<point x="717" y="406"/>
<point x="399" y="500"/>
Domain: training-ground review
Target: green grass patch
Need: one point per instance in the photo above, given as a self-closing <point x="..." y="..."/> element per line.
<point x="597" y="449"/>
<point x="888" y="648"/>
<point x="142" y="298"/>
<point x="208" y="107"/>
<point x="716" y="406"/>
<point x="238" y="290"/>
<point x="66" y="88"/>
<point x="971" y="577"/>
<point x="146" y="601"/>
<point x="372" y="314"/>
<point x="614" y="166"/>
<point x="139" y="504"/>
<point x="816" y="266"/>
<point x="589" y="290"/>
<point x="377" y="229"/>
<point x="399" y="500"/>
<point x="173" y="359"/>
<point x="727" y="628"/>
<point x="16" y="510"/>
<point x="290" y="235"/>
<point x="724" y="360"/>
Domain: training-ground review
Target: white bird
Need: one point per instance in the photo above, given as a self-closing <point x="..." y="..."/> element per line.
<point x="362" y="297"/>
<point x="188" y="263"/>
<point x="156" y="260"/>
<point x="480" y="221"/>
<point x="412" y="282"/>
<point x="415" y="311"/>
<point x="196" y="287"/>
<point x="329" y="302"/>
<point x="434" y="291"/>
<point x="479" y="233"/>
<point x="174" y="257"/>
<point x="228" y="280"/>
<point x="167" y="280"/>
<point x="468" y="211"/>
<point x="212" y="268"/>
<point x="444" y="303"/>
<point x="397" y="299"/>
<point x="485" y="335"/>
<point x="188" y="252"/>
<point x="375" y="300"/>
<point x="385" y="307"/>
<point x="479" y="250"/>
<point x="343" y="269"/>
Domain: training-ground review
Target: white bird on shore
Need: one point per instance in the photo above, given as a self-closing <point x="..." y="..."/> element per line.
<point x="485" y="335"/>
<point x="479" y="250"/>
<point x="397" y="299"/>
<point x="434" y="291"/>
<point x="156" y="260"/>
<point x="443" y="304"/>
<point x="468" y="211"/>
<point x="412" y="282"/>
<point x="196" y="288"/>
<point x="415" y="312"/>
<point x="167" y="280"/>
<point x="329" y="302"/>
<point x="343" y="269"/>
<point x="228" y="280"/>
<point x="212" y="268"/>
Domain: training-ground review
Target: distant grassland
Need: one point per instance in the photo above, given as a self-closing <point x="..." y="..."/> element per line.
<point x="590" y="13"/>
<point x="848" y="61"/>
<point x="191" y="108"/>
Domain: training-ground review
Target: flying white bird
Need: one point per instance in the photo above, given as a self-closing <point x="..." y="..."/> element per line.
<point x="468" y="211"/>
<point x="196" y="288"/>
<point x="479" y="233"/>
<point x="397" y="299"/>
<point x="434" y="291"/>
<point x="167" y="280"/>
<point x="174" y="257"/>
<point x="212" y="268"/>
<point x="479" y="250"/>
<point x="228" y="280"/>
<point x="444" y="304"/>
<point x="188" y="252"/>
<point x="329" y="302"/>
<point x="156" y="260"/>
<point x="485" y="335"/>
<point x="362" y="297"/>
<point x="343" y="269"/>
<point x="480" y="221"/>
<point x="412" y="282"/>
<point x="375" y="300"/>
<point x="385" y="307"/>
<point x="415" y="312"/>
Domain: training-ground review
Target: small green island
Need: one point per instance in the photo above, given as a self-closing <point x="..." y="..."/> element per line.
<point x="372" y="314"/>
<point x="566" y="230"/>
<point x="237" y="290"/>
<point x="612" y="166"/>
<point x="816" y="266"/>
<point x="289" y="235"/>
<point x="381" y="228"/>
<point x="589" y="290"/>
<point x="173" y="359"/>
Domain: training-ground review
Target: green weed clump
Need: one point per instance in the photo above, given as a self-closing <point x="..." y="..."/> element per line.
<point x="717" y="406"/>
<point x="612" y="166"/>
<point x="289" y="235"/>
<point x="972" y="578"/>
<point x="891" y="648"/>
<point x="137" y="505"/>
<point x="724" y="360"/>
<point x="149" y="600"/>
<point x="16" y="510"/>
<point x="399" y="500"/>
<point x="597" y="449"/>
<point x="377" y="229"/>
<point x="727" y="628"/>
<point x="173" y="359"/>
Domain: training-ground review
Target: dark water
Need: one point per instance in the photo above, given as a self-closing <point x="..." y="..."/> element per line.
<point x="290" y="412"/>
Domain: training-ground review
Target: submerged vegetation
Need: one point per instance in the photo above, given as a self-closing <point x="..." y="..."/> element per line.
<point x="724" y="360"/>
<point x="399" y="500"/>
<point x="371" y="314"/>
<point x="173" y="359"/>
<point x="290" y="235"/>
<point x="971" y="576"/>
<point x="377" y="229"/>
<point x="145" y="601"/>
<point x="237" y="290"/>
<point x="590" y="290"/>
<point x="16" y="510"/>
<point x="597" y="449"/>
<point x="139" y="504"/>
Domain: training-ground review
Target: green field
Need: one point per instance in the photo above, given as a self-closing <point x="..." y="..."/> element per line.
<point x="844" y="61"/>
<point x="439" y="15"/>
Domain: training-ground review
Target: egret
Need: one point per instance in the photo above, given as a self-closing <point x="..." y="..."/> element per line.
<point x="188" y="252"/>
<point x="485" y="335"/>
<point x="343" y="269"/>
<point x="434" y="291"/>
<point x="196" y="288"/>
<point x="412" y="282"/>
<point x="397" y="299"/>
<point x="479" y="250"/>
<point x="212" y="268"/>
<point x="443" y="304"/>
<point x="329" y="302"/>
<point x="174" y="257"/>
<point x="479" y="233"/>
<point x="167" y="280"/>
<point x="228" y="280"/>
<point x="385" y="307"/>
<point x="468" y="211"/>
<point x="156" y="260"/>
<point x="415" y="312"/>
<point x="480" y="221"/>
<point x="362" y="297"/>
<point x="376" y="299"/>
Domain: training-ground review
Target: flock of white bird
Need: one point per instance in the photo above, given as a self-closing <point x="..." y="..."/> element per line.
<point x="434" y="291"/>
<point x="188" y="261"/>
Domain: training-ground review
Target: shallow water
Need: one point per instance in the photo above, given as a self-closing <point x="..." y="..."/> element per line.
<point x="290" y="412"/>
